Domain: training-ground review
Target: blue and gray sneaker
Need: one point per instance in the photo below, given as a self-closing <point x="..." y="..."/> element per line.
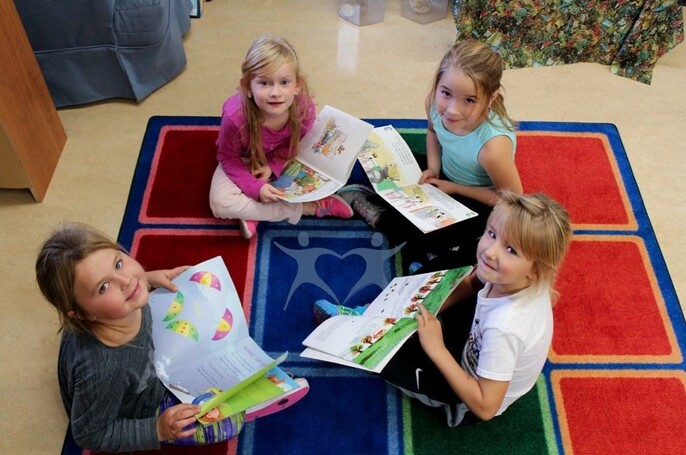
<point x="361" y="199"/>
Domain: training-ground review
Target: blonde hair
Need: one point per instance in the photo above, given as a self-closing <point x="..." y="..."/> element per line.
<point x="484" y="67"/>
<point x="68" y="245"/>
<point x="265" y="56"/>
<point x="539" y="228"/>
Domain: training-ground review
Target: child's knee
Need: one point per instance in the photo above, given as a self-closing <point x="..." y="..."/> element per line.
<point x="227" y="206"/>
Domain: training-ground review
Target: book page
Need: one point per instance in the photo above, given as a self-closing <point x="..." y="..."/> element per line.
<point x="402" y="295"/>
<point x="219" y="370"/>
<point x="301" y="183"/>
<point x="310" y="353"/>
<point x="388" y="161"/>
<point x="426" y="206"/>
<point x="366" y="341"/>
<point x="370" y="340"/>
<point x="394" y="173"/>
<point x="328" y="152"/>
<point x="200" y="334"/>
<point x="273" y="384"/>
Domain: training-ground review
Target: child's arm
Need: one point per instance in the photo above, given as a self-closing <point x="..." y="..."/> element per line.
<point x="229" y="155"/>
<point x="497" y="158"/>
<point x="99" y="383"/>
<point x="482" y="396"/>
<point x="263" y="173"/>
<point x="468" y="287"/>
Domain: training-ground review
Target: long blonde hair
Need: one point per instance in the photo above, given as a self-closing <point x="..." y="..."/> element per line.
<point x="539" y="228"/>
<point x="266" y="55"/>
<point x="484" y="67"/>
<point x="68" y="245"/>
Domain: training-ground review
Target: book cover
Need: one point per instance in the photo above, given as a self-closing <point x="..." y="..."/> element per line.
<point x="370" y="340"/>
<point x="394" y="174"/>
<point x="325" y="158"/>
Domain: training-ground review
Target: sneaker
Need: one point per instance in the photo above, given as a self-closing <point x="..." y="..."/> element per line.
<point x="333" y="206"/>
<point x="248" y="228"/>
<point x="279" y="403"/>
<point x="354" y="187"/>
<point x="360" y="199"/>
<point x="414" y="267"/>
<point x="323" y="310"/>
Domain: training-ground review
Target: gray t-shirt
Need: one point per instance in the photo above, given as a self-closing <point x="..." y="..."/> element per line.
<point x="111" y="394"/>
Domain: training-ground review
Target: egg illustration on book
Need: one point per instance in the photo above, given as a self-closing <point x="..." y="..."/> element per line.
<point x="175" y="307"/>
<point x="207" y="279"/>
<point x="224" y="326"/>
<point x="185" y="328"/>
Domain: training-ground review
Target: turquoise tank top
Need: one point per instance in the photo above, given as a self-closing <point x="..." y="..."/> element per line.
<point x="459" y="154"/>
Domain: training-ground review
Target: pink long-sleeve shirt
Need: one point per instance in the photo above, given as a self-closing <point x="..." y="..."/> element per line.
<point x="232" y="144"/>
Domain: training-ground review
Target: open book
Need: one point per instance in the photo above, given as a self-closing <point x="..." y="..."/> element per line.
<point x="203" y="352"/>
<point x="325" y="158"/>
<point x="369" y="341"/>
<point x="394" y="174"/>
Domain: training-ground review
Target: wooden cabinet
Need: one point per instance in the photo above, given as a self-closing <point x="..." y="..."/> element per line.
<point x="31" y="134"/>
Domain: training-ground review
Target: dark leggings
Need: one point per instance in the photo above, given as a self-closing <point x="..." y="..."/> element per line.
<point x="402" y="370"/>
<point x="460" y="237"/>
<point x="440" y="244"/>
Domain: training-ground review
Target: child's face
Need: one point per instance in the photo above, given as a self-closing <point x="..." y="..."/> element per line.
<point x="274" y="93"/>
<point x="457" y="103"/>
<point x="498" y="263"/>
<point x="109" y="285"/>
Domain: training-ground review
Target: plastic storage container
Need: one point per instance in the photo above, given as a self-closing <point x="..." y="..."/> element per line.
<point x="362" y="12"/>
<point x="424" y="11"/>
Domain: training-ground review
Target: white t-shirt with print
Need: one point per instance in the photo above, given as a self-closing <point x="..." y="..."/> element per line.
<point x="509" y="341"/>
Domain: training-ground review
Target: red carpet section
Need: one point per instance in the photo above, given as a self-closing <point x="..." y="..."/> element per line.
<point x="580" y="171"/>
<point x="631" y="411"/>
<point x="178" y="187"/>
<point x="610" y="308"/>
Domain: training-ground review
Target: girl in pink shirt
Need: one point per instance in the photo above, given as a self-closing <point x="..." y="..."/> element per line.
<point x="261" y="127"/>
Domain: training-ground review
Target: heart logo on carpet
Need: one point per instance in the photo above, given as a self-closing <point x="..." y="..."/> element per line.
<point x="322" y="267"/>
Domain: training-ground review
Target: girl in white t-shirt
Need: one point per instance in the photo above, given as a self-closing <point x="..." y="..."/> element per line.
<point x="475" y="371"/>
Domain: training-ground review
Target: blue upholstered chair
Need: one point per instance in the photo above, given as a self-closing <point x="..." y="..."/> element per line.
<point x="92" y="50"/>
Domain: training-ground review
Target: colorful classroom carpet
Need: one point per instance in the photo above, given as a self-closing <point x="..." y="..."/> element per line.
<point x="614" y="382"/>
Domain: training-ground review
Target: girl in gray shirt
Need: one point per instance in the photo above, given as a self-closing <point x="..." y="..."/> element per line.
<point x="109" y="387"/>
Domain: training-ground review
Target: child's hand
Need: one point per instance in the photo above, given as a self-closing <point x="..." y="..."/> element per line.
<point x="263" y="173"/>
<point x="162" y="278"/>
<point x="269" y="193"/>
<point x="443" y="185"/>
<point x="427" y="174"/>
<point x="430" y="332"/>
<point x="172" y="422"/>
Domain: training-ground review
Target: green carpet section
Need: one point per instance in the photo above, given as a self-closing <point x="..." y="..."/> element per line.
<point x="526" y="427"/>
<point x="415" y="138"/>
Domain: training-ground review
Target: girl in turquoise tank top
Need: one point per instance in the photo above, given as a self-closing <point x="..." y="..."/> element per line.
<point x="470" y="151"/>
<point x="470" y="137"/>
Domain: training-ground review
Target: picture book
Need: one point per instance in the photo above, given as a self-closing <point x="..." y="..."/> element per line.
<point x="394" y="173"/>
<point x="370" y="340"/>
<point x="325" y="158"/>
<point x="203" y="351"/>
